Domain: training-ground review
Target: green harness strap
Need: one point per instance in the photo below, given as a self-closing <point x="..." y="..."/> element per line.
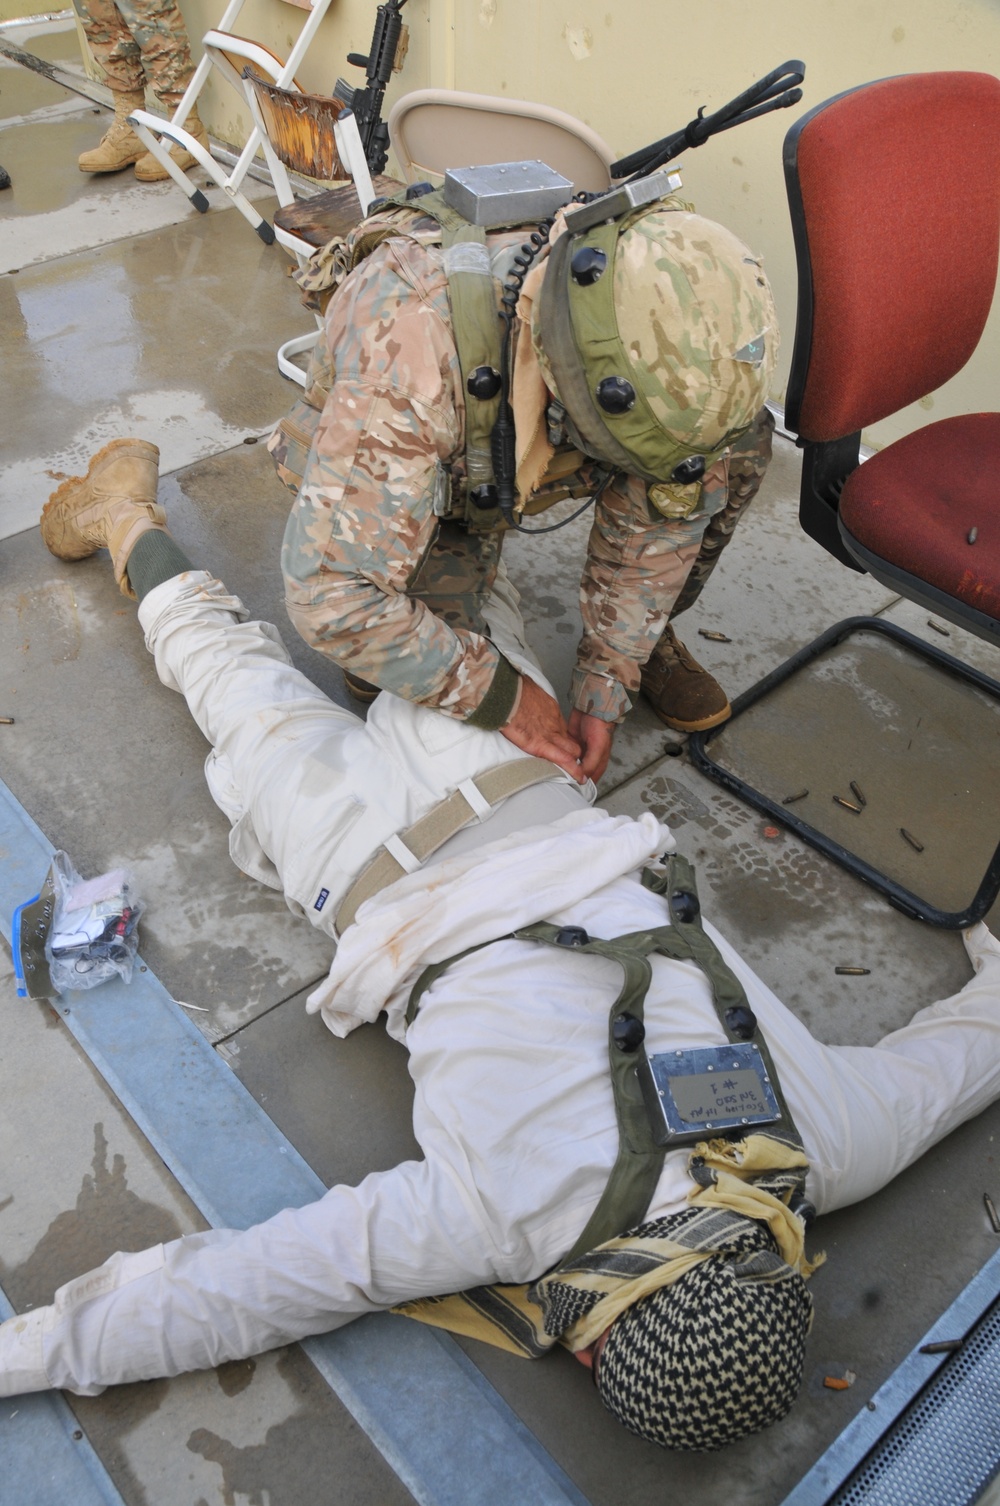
<point x="636" y="1171"/>
<point x="475" y="321"/>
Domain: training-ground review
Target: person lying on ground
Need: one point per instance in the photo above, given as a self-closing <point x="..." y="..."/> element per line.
<point x="478" y="899"/>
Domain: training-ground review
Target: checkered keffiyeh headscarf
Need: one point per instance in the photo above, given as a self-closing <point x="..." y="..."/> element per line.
<point x="706" y="1311"/>
<point x="715" y="1355"/>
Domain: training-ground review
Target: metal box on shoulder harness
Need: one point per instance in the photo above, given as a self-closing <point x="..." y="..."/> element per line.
<point x="506" y="193"/>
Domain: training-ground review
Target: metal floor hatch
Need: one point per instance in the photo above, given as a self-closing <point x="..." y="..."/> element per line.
<point x="931" y="1435"/>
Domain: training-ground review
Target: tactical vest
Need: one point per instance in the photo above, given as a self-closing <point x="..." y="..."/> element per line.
<point x="465" y="489"/>
<point x="634" y="1176"/>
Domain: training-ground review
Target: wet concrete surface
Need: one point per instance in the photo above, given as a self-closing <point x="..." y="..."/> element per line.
<point x="73" y="211"/>
<point x="23" y="92"/>
<point x="53" y="41"/>
<point x="52" y="138"/>
<point x="76" y="676"/>
<point x="762" y="595"/>
<point x="170" y="333"/>
<point x="345" y="1104"/>
<point x="168" y="336"/>
<point x="77" y="1183"/>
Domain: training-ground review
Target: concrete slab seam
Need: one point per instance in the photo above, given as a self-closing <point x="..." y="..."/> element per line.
<point x="411" y="1392"/>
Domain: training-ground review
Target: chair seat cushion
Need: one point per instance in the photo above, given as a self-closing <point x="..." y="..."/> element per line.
<point x="914" y="504"/>
<point x="335" y="212"/>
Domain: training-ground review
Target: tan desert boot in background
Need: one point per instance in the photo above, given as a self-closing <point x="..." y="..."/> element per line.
<point x="680" y="690"/>
<point x="109" y="508"/>
<point x="120" y="146"/>
<point x="149" y="170"/>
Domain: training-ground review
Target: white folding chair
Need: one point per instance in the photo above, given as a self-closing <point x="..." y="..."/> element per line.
<point x="316" y="136"/>
<point x="434" y="129"/>
<point x="227" y="53"/>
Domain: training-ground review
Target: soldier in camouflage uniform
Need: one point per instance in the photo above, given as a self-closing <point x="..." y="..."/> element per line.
<point x="138" y="43"/>
<point x="383" y="576"/>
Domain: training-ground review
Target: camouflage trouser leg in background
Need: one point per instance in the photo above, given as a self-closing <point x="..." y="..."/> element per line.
<point x="139" y="43"/>
<point x="748" y="460"/>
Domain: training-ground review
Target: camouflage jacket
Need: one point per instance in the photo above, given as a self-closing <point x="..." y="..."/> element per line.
<point x="366" y="522"/>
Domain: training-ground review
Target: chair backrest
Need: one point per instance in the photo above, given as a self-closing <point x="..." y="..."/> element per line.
<point x="434" y="129"/>
<point x="894" y="191"/>
<point x="300" y="128"/>
<point x="230" y="54"/>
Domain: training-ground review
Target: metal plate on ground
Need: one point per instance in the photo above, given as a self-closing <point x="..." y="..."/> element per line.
<point x="921" y="746"/>
<point x="946" y="1446"/>
<point x="930" y="1436"/>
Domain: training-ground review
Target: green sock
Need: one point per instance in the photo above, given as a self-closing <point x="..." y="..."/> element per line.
<point x="154" y="559"/>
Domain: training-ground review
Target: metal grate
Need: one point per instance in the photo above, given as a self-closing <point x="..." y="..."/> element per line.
<point x="945" y="1448"/>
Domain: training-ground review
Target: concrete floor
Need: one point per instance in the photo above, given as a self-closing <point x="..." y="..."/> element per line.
<point x="130" y="313"/>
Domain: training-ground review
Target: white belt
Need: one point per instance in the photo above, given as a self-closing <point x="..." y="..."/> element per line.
<point x="474" y="800"/>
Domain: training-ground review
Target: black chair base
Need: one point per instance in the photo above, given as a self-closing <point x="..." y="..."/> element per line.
<point x="900" y="897"/>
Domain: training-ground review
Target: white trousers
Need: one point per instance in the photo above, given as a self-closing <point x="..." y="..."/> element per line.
<point x="300" y="775"/>
<point x="311" y="790"/>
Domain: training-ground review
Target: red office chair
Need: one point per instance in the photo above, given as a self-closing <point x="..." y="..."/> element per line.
<point x="894" y="192"/>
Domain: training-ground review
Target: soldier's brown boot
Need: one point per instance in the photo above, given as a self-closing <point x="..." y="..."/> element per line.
<point x="360" y="690"/>
<point x="108" y="508"/>
<point x="681" y="692"/>
<point x="149" y="169"/>
<point x="120" y="146"/>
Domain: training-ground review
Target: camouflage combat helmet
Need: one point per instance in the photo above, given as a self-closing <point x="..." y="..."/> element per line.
<point x="659" y="333"/>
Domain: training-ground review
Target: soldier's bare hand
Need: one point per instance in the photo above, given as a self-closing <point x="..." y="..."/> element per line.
<point x="595" y="738"/>
<point x="537" y="727"/>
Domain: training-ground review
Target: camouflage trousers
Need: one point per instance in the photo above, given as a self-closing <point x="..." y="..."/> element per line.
<point x="748" y="460"/>
<point x="139" y="43"/>
<point x="455" y="579"/>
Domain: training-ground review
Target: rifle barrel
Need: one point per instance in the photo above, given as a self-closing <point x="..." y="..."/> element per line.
<point x="771" y="91"/>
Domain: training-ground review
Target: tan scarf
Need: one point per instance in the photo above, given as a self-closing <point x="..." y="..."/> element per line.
<point x="622" y="1271"/>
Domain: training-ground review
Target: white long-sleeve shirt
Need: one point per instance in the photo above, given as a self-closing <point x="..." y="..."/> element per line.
<point x="514" y="1113"/>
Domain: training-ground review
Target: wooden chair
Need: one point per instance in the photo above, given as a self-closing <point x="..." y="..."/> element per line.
<point x="315" y="136"/>
<point x="227" y="53"/>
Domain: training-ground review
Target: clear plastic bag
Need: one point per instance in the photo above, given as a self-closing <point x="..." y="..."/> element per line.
<point x="94" y="931"/>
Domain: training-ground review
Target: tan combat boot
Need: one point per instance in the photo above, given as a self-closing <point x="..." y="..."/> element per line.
<point x="109" y="508"/>
<point x="680" y="691"/>
<point x="119" y="145"/>
<point x="149" y="170"/>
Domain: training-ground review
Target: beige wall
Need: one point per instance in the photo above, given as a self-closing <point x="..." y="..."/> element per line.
<point x="636" y="69"/>
<point x="13" y="10"/>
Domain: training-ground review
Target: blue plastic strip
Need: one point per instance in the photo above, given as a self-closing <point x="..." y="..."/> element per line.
<point x="441" y="1427"/>
<point x="44" y="1456"/>
<point x="856" y="1442"/>
<point x="15" y="947"/>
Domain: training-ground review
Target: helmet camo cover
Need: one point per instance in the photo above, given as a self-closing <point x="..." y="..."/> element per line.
<point x="669" y="350"/>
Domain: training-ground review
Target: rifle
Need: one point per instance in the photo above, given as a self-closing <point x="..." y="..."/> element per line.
<point x="385" y="57"/>
<point x="769" y="93"/>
